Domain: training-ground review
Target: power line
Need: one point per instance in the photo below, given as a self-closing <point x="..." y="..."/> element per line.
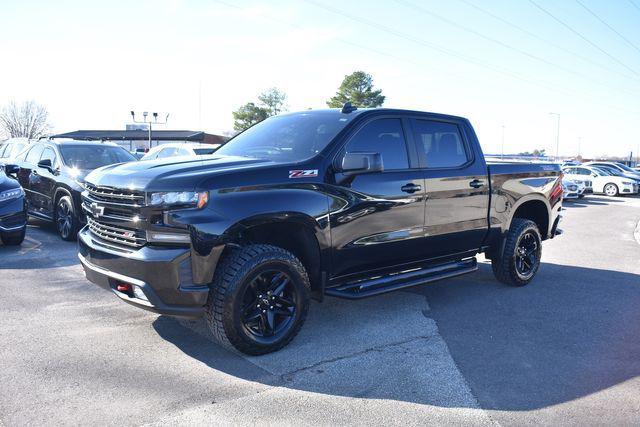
<point x="466" y="58"/>
<point x="500" y="43"/>
<point x="629" y="42"/>
<point x="462" y="57"/>
<point x="567" y="26"/>
<point x="437" y="48"/>
<point x="634" y="5"/>
<point x="542" y="39"/>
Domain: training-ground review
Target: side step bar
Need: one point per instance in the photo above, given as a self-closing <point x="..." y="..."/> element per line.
<point x="392" y="282"/>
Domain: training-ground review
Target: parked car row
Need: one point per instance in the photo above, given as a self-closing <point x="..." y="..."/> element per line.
<point x="45" y="179"/>
<point x="609" y="178"/>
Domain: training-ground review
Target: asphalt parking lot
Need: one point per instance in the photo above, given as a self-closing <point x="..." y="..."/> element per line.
<point x="564" y="350"/>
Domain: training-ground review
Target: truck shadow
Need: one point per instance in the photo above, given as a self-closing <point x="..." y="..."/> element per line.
<point x="589" y="201"/>
<point x="573" y="332"/>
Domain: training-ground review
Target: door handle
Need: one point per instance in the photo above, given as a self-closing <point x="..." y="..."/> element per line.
<point x="411" y="188"/>
<point x="34" y="172"/>
<point x="476" y="183"/>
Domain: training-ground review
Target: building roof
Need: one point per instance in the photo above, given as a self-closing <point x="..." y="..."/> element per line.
<point x="143" y="135"/>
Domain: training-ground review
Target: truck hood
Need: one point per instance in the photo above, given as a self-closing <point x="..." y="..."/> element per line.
<point x="170" y="174"/>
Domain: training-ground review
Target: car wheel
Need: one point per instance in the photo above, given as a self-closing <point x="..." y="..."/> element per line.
<point x="258" y="300"/>
<point x="66" y="219"/>
<point x="520" y="258"/>
<point x="14" y="238"/>
<point x="611" y="190"/>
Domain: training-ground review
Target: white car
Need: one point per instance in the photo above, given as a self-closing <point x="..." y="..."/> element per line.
<point x="570" y="189"/>
<point x="180" y="149"/>
<point x="603" y="181"/>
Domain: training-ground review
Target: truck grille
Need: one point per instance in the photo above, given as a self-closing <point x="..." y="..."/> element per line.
<point x="117" y="196"/>
<point x="124" y="236"/>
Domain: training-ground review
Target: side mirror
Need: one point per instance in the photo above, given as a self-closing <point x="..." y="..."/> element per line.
<point x="360" y="163"/>
<point x="46" y="164"/>
<point x="11" y="169"/>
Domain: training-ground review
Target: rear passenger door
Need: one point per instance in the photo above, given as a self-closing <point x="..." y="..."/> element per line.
<point x="456" y="185"/>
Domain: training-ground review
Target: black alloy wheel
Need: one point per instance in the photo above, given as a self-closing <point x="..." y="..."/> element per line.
<point x="269" y="306"/>
<point x="526" y="254"/>
<point x="66" y="221"/>
<point x="258" y="300"/>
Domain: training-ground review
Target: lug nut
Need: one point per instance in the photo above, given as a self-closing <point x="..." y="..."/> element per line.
<point x="264" y="311"/>
<point x="271" y="308"/>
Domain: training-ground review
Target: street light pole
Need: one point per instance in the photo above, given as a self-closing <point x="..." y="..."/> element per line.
<point x="557" y="135"/>
<point x="149" y="122"/>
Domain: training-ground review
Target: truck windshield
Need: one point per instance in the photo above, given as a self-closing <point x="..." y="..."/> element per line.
<point x="289" y="137"/>
<point x="94" y="156"/>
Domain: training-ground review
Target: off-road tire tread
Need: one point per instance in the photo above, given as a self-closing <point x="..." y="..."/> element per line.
<point x="503" y="267"/>
<point x="234" y="267"/>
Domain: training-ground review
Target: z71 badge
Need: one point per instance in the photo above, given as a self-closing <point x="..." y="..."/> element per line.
<point x="306" y="173"/>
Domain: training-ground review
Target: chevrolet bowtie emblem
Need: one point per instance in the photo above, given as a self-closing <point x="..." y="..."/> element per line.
<point x="96" y="211"/>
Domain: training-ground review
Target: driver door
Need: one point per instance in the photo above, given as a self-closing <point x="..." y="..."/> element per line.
<point x="377" y="218"/>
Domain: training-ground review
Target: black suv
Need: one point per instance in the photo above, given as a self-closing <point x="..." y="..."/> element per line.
<point x="52" y="174"/>
<point x="13" y="214"/>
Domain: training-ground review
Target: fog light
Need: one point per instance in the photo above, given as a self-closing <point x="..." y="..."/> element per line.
<point x="138" y="293"/>
<point x="153" y="236"/>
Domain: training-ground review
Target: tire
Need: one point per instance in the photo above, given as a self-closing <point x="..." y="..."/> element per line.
<point x="238" y="310"/>
<point x="14" y="238"/>
<point x="611" y="190"/>
<point x="65" y="219"/>
<point x="508" y="267"/>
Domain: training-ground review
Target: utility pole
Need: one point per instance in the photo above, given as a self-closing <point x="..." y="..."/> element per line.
<point x="149" y="122"/>
<point x="502" y="152"/>
<point x="557" y="135"/>
<point x="579" y="144"/>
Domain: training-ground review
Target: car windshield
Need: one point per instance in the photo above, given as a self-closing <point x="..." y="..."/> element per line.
<point x="287" y="138"/>
<point x="204" y="151"/>
<point x="93" y="156"/>
<point x="612" y="171"/>
<point x="601" y="172"/>
<point x="626" y="168"/>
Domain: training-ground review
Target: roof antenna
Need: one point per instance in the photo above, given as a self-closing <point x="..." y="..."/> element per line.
<point x="348" y="108"/>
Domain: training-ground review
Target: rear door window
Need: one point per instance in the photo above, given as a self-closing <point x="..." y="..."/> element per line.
<point x="34" y="154"/>
<point x="439" y="143"/>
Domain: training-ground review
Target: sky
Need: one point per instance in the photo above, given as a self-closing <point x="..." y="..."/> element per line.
<point x="504" y="64"/>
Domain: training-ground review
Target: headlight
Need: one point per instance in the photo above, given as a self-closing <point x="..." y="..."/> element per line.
<point x="179" y="198"/>
<point x="11" y="194"/>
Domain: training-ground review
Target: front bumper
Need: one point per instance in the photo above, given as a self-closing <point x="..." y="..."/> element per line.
<point x="13" y="215"/>
<point x="163" y="274"/>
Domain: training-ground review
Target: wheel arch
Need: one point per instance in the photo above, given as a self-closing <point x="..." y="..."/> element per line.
<point x="537" y="210"/>
<point x="295" y="232"/>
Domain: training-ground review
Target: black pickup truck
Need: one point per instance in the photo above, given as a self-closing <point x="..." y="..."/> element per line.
<point x="347" y="203"/>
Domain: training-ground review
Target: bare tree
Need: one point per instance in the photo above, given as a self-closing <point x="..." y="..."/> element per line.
<point x="29" y="120"/>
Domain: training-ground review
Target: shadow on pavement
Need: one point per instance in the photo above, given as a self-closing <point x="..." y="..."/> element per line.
<point x="589" y="201"/>
<point x="37" y="251"/>
<point x="573" y="332"/>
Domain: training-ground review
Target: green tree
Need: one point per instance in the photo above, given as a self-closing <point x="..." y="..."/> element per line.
<point x="271" y="102"/>
<point x="273" y="99"/>
<point x="357" y="88"/>
<point x="248" y="115"/>
<point x="535" y="153"/>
